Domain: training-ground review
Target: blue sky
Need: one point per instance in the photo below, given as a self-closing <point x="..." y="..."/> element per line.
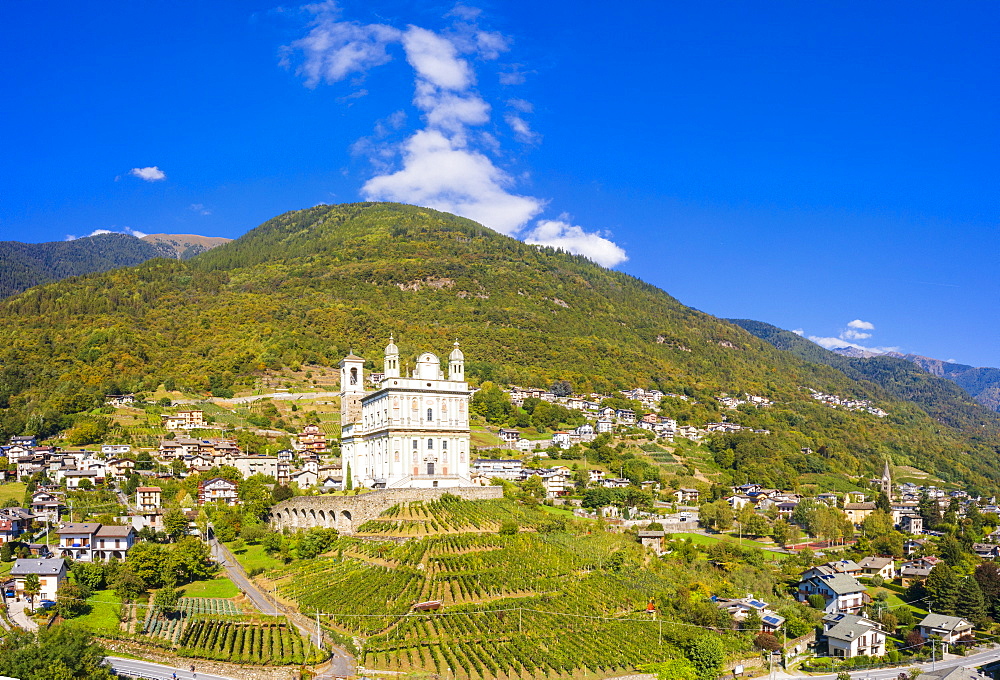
<point x="826" y="168"/>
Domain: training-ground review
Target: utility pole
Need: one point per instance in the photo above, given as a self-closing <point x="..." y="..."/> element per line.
<point x="319" y="637"/>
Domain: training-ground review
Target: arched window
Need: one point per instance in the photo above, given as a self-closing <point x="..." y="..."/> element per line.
<point x="430" y="444"/>
<point x="430" y="414"/>
<point x="354" y="376"/>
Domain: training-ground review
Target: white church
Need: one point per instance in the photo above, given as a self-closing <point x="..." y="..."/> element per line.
<point x="412" y="432"/>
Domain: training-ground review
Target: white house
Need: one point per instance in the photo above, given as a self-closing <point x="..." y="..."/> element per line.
<point x="848" y="636"/>
<point x="218" y="490"/>
<point x="948" y="628"/>
<point x="841" y="593"/>
<point x="51" y="575"/>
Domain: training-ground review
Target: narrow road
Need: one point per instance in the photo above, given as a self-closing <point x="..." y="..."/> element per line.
<point x="156" y="671"/>
<point x="342" y="664"/>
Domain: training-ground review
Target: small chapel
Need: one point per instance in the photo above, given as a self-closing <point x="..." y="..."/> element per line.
<point x="411" y="432"/>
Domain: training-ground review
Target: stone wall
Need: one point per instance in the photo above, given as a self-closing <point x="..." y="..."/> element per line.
<point x="347" y="513"/>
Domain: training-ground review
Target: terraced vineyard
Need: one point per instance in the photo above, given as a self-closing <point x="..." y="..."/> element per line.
<point x="247" y="642"/>
<point x="449" y="514"/>
<point x="213" y="628"/>
<point x="514" y="606"/>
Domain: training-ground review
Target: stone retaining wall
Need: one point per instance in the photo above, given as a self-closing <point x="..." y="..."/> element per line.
<point x="347" y="513"/>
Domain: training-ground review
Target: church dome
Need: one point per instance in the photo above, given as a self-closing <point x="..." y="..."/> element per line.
<point x="429" y="358"/>
<point x="391" y="348"/>
<point x="456" y="354"/>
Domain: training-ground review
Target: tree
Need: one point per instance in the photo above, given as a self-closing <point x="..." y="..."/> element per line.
<point x="970" y="602"/>
<point x="942" y="589"/>
<point x="674" y="669"/>
<point x="146" y="560"/>
<point x="281" y="492"/>
<point x="58" y="653"/>
<point x="532" y="489"/>
<point x="784" y="533"/>
<point x="176" y="523"/>
<point x="988" y="576"/>
<point x="6" y="553"/>
<point x="706" y="654"/>
<point x="128" y="585"/>
<point x="166" y="599"/>
<point x="188" y="560"/>
<point x="767" y="642"/>
<point x="883" y="503"/>
<point x="492" y="403"/>
<point x="72" y="600"/>
<point x="914" y="640"/>
<point x="878" y="523"/>
<point x="756" y="525"/>
<point x="716" y="515"/>
<point x="561" y="388"/>
<point x="32" y="587"/>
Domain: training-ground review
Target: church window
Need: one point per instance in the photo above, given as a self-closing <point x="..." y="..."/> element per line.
<point x="444" y="444"/>
<point x="430" y="414"/>
<point x="415" y="405"/>
<point x="430" y="444"/>
<point x="415" y="445"/>
<point x="354" y="376"/>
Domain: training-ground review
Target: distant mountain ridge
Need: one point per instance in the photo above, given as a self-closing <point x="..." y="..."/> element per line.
<point x="183" y="246"/>
<point x="982" y="383"/>
<point x="24" y="265"/>
<point x="949" y="392"/>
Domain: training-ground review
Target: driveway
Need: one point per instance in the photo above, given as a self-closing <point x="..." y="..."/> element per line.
<point x="17" y="611"/>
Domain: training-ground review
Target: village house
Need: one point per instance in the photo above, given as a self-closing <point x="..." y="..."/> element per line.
<point x="949" y="629"/>
<point x="911" y="524"/>
<point x="256" y="465"/>
<point x="51" y="576"/>
<point x="840" y="592"/>
<point x="75" y="477"/>
<point x="683" y="496"/>
<point x="595" y="475"/>
<point x="562" y="439"/>
<point x="604" y="425"/>
<point x="305" y="479"/>
<point x="848" y="636"/>
<point x="910" y="572"/>
<point x="148" y="498"/>
<point x="119" y="400"/>
<point x="652" y="540"/>
<point x="218" y="490"/>
<point x="46" y="505"/>
<point x="183" y="420"/>
<point x="120" y="468"/>
<point x="879" y="566"/>
<point x="311" y="439"/>
<point x="90" y="541"/>
<point x="742" y="607"/>
<point x="986" y="551"/>
<point x="498" y="468"/>
<point x="857" y="512"/>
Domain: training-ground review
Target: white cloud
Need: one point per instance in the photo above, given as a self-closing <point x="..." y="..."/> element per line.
<point x="435" y="59"/>
<point x="799" y="331"/>
<point x="150" y="174"/>
<point x="851" y="334"/>
<point x="520" y="127"/>
<point x="447" y="164"/>
<point x="439" y="174"/>
<point x="96" y="232"/>
<point x="863" y="325"/>
<point x="200" y="209"/>
<point x="835" y="343"/>
<point x="336" y="49"/>
<point x="573" y="239"/>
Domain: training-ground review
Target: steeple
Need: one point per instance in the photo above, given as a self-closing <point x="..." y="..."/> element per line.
<point x="391" y="365"/>
<point x="352" y="388"/>
<point x="886" y="482"/>
<point x="456" y="364"/>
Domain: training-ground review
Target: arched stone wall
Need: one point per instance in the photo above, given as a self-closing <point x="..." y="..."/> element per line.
<point x="347" y="513"/>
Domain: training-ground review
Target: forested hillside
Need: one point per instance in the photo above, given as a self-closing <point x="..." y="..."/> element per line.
<point x="23" y="265"/>
<point x="310" y="285"/>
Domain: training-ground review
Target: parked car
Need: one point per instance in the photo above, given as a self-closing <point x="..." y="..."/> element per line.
<point x="45" y="604"/>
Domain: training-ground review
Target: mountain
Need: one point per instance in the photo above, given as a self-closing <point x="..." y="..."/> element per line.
<point x="183" y="246"/>
<point x="982" y="384"/>
<point x="23" y="265"/>
<point x="944" y="400"/>
<point x="307" y="287"/>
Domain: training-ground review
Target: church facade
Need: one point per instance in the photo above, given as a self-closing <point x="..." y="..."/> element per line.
<point x="411" y="432"/>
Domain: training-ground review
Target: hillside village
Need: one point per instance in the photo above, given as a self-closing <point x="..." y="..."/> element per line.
<point x="890" y="569"/>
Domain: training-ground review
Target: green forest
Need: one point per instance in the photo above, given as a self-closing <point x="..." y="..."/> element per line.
<point x="308" y="286"/>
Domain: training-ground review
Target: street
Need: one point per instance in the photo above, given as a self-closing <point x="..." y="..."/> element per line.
<point x="156" y="671"/>
<point x="973" y="660"/>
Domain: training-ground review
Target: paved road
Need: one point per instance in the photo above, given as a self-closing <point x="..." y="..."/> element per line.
<point x="341" y="663"/>
<point x="284" y="396"/>
<point x="156" y="671"/>
<point x="971" y="661"/>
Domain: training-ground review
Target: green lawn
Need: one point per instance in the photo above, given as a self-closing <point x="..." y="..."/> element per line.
<point x="10" y="490"/>
<point x="254" y="556"/>
<point x="895" y="601"/>
<point x="699" y="539"/>
<point x="216" y="587"/>
<point x="103" y="616"/>
<point x="562" y="510"/>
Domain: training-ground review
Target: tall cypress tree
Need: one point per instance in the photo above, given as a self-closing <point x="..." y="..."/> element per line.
<point x="988" y="576"/>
